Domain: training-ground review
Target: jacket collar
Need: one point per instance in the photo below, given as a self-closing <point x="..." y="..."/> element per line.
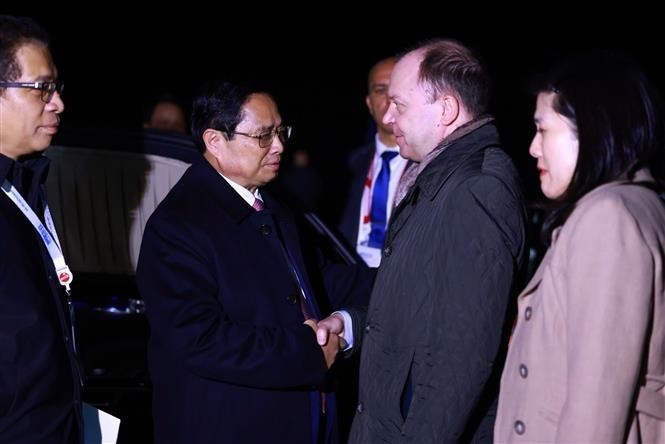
<point x="640" y="177"/>
<point x="451" y="153"/>
<point x="27" y="174"/>
<point x="6" y="167"/>
<point x="226" y="197"/>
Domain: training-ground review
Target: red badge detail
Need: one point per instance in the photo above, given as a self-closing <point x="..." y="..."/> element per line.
<point x="64" y="277"/>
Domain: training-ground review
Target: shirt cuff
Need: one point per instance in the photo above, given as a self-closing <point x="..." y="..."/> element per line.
<point x="348" y="329"/>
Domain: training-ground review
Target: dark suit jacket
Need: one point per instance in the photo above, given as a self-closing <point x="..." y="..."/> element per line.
<point x="358" y="165"/>
<point x="39" y="379"/>
<point x="229" y="356"/>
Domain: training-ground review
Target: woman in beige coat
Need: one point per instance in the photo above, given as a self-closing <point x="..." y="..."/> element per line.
<point x="586" y="362"/>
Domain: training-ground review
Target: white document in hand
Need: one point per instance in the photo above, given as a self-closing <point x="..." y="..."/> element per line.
<point x="99" y="427"/>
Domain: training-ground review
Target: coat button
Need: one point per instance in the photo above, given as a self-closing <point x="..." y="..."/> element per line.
<point x="265" y="229"/>
<point x="519" y="427"/>
<point x="524" y="372"/>
<point x="291" y="299"/>
<point x="367" y="328"/>
<point x="387" y="251"/>
<point x="527" y="313"/>
<point x="360" y="407"/>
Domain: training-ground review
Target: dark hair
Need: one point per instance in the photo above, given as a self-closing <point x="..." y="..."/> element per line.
<point x="449" y="66"/>
<point x="617" y="115"/>
<point x="219" y="106"/>
<point x="15" y="32"/>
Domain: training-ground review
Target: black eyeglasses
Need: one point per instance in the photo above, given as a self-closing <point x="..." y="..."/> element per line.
<point x="47" y="89"/>
<point x="265" y="139"/>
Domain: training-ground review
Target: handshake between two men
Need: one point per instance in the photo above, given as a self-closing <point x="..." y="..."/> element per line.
<point x="330" y="336"/>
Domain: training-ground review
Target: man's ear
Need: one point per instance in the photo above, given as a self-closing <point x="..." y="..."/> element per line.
<point x="451" y="109"/>
<point x="214" y="140"/>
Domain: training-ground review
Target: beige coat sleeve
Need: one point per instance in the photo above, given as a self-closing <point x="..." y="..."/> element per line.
<point x="606" y="279"/>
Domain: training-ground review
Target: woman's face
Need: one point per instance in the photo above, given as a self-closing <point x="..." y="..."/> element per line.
<point x="555" y="147"/>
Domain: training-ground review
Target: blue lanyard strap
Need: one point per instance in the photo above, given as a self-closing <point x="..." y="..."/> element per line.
<point x="48" y="236"/>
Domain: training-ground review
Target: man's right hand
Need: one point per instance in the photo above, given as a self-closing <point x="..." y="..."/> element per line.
<point x="332" y="326"/>
<point x="330" y="348"/>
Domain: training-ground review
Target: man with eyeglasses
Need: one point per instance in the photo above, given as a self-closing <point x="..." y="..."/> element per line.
<point x="39" y="375"/>
<point x="233" y="355"/>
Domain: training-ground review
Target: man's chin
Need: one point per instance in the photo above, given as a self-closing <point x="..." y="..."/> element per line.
<point x="42" y="146"/>
<point x="269" y="177"/>
<point x="404" y="150"/>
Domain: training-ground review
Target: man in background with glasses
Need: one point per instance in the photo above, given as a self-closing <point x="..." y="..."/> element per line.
<point x="233" y="356"/>
<point x="39" y="376"/>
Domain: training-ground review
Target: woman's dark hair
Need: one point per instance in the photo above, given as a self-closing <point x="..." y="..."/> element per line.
<point x="617" y="115"/>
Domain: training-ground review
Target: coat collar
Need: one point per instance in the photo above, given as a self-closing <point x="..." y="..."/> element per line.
<point x="226" y="197"/>
<point x="432" y="178"/>
<point x="37" y="164"/>
<point x="450" y="155"/>
<point x="28" y="175"/>
<point x="6" y="166"/>
<point x="641" y="177"/>
<point x="220" y="191"/>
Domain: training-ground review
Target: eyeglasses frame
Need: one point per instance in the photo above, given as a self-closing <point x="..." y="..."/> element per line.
<point x="46" y="92"/>
<point x="278" y="131"/>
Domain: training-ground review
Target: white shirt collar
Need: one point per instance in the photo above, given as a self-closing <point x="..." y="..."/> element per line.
<point x="247" y="195"/>
<point x="382" y="148"/>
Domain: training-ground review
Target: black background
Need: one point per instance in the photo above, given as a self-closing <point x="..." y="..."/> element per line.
<point x="114" y="60"/>
<point x="315" y="59"/>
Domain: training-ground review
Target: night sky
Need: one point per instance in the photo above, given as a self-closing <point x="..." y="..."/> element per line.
<point x="317" y="66"/>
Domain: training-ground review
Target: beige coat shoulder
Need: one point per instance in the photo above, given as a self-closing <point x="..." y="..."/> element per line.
<point x="591" y="327"/>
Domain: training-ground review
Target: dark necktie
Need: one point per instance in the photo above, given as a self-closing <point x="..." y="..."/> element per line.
<point x="318" y="398"/>
<point x="305" y="307"/>
<point x="378" y="212"/>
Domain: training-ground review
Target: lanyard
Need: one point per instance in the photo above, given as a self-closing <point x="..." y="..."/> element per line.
<point x="49" y="236"/>
<point x="367" y="204"/>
